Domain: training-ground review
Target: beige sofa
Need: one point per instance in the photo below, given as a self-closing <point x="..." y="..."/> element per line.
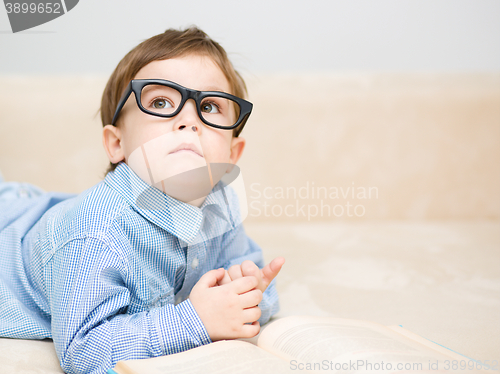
<point x="381" y="190"/>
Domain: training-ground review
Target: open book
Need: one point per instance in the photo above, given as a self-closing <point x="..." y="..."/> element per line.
<point x="312" y="344"/>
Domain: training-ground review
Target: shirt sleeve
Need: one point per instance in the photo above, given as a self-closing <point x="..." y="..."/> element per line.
<point x="238" y="247"/>
<point x="89" y="298"/>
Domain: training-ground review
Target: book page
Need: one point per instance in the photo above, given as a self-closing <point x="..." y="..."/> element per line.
<point x="222" y="357"/>
<point x="436" y="347"/>
<point x="337" y="344"/>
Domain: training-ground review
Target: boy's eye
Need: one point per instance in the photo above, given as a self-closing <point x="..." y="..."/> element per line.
<point x="161" y="104"/>
<point x="209" y="108"/>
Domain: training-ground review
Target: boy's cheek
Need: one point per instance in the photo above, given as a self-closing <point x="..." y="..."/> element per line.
<point x="217" y="154"/>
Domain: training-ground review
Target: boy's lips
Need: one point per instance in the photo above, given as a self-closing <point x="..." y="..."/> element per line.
<point x="186" y="147"/>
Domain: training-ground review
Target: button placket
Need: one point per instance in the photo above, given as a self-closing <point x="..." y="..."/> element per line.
<point x="195" y="252"/>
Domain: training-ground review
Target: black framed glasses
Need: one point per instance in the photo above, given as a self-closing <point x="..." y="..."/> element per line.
<point x="163" y="98"/>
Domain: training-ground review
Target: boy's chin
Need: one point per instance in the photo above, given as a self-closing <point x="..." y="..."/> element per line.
<point x="172" y="168"/>
<point x="189" y="179"/>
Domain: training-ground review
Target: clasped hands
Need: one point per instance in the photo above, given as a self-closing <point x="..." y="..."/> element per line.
<point x="227" y="300"/>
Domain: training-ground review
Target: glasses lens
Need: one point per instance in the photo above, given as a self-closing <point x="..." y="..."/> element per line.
<point x="220" y="111"/>
<point x="160" y="99"/>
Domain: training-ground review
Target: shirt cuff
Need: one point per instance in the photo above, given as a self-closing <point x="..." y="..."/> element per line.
<point x="192" y="322"/>
<point x="179" y="328"/>
<point x="270" y="303"/>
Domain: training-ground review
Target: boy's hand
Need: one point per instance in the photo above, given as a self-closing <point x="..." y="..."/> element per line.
<point x="226" y="310"/>
<point x="248" y="268"/>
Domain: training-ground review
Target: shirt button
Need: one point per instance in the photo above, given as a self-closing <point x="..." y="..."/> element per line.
<point x="195" y="263"/>
<point x="23" y="193"/>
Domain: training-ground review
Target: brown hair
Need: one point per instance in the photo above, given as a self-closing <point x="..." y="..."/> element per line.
<point x="170" y="44"/>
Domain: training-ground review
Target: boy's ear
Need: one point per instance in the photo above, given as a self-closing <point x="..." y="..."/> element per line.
<point x="237" y="146"/>
<point x="111" y="140"/>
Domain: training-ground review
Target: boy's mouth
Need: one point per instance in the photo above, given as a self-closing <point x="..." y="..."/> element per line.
<point x="188" y="147"/>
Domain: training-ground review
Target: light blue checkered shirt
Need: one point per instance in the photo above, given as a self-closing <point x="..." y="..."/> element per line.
<point x="108" y="278"/>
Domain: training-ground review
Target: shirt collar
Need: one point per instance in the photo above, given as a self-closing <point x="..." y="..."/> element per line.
<point x="183" y="220"/>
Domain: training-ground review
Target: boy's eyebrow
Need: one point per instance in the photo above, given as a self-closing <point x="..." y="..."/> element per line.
<point x="213" y="88"/>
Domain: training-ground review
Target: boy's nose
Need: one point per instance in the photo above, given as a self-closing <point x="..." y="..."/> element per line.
<point x="182" y="126"/>
<point x="187" y="119"/>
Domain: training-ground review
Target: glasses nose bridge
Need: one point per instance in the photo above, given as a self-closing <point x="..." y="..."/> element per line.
<point x="191" y="94"/>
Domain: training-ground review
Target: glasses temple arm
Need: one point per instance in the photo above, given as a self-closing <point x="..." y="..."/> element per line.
<point x="122" y="102"/>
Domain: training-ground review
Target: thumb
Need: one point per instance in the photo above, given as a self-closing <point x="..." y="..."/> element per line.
<point x="211" y="278"/>
<point x="272" y="269"/>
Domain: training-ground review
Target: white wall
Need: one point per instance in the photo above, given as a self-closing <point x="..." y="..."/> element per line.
<point x="269" y="36"/>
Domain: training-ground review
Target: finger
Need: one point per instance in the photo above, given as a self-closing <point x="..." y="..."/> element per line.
<point x="225" y="280"/>
<point x="272" y="269"/>
<point x="235" y="272"/>
<point x="250" y="268"/>
<point x="251" y="314"/>
<point x="243" y="284"/>
<point x="251" y="298"/>
<point x="211" y="278"/>
<point x="249" y="331"/>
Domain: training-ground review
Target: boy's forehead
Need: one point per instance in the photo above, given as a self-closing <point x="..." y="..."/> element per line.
<point x="192" y="71"/>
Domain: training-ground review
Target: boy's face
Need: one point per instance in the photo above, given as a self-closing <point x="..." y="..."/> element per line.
<point x="149" y="142"/>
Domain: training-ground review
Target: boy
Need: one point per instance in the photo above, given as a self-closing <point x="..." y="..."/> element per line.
<point x="150" y="261"/>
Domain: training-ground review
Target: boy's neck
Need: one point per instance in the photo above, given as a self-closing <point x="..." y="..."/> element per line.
<point x="197" y="202"/>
